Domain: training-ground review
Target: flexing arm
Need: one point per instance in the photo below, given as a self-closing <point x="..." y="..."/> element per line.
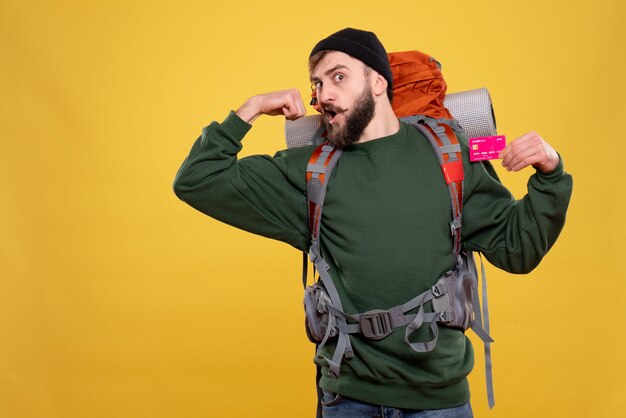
<point x="260" y="194"/>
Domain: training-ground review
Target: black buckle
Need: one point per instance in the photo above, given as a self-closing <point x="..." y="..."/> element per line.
<point x="376" y="325"/>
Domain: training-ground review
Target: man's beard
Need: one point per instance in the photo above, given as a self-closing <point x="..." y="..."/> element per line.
<point x="355" y="123"/>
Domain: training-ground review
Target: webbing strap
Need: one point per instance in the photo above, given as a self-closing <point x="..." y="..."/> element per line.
<point x="344" y="347"/>
<point x="440" y="131"/>
<point x="486" y="326"/>
<point x="399" y="321"/>
<point x="397" y="316"/>
<point x="322" y="163"/>
<point x="320" y="166"/>
<point x="378" y="324"/>
<point x="450" y="149"/>
<point x="316" y="189"/>
<point x="480" y="325"/>
<point x="421" y="347"/>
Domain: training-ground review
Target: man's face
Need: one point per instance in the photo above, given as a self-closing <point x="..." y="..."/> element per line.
<point x="345" y="96"/>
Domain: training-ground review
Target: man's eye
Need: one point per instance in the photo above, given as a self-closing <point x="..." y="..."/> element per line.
<point x="338" y="77"/>
<point x="316" y="85"/>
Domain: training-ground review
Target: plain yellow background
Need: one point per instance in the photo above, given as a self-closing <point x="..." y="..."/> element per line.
<point x="117" y="300"/>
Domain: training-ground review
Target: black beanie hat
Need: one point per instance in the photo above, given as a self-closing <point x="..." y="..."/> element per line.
<point x="361" y="45"/>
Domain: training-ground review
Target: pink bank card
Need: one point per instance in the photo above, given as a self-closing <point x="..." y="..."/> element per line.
<point x="486" y="147"/>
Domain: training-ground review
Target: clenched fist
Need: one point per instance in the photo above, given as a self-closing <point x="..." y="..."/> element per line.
<point x="285" y="102"/>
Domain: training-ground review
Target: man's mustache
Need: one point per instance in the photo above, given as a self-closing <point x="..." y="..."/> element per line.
<point x="332" y="109"/>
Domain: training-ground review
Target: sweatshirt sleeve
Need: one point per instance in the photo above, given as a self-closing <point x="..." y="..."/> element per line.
<point x="514" y="235"/>
<point x="260" y="194"/>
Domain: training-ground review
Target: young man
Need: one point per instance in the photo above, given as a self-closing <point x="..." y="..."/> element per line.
<point x="385" y="230"/>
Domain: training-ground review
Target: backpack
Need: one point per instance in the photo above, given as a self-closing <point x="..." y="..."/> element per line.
<point x="419" y="95"/>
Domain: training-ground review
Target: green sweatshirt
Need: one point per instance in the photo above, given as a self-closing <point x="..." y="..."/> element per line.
<point x="386" y="235"/>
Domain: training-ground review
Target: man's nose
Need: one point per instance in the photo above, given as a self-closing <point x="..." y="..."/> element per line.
<point x="326" y="95"/>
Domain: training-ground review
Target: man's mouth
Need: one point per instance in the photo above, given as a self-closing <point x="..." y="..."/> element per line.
<point x="331" y="114"/>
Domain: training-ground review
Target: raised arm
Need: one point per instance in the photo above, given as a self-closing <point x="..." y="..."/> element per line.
<point x="261" y="194"/>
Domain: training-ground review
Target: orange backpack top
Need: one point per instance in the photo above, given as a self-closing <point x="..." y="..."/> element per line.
<point x="418" y="85"/>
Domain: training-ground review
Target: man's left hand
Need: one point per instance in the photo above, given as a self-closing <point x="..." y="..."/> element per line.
<point x="529" y="149"/>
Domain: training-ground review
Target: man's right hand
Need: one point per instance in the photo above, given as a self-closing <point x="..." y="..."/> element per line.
<point x="285" y="102"/>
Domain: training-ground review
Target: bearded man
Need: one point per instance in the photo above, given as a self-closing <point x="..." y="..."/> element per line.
<point x="385" y="227"/>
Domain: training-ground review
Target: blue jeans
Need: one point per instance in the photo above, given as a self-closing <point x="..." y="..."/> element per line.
<point x="337" y="406"/>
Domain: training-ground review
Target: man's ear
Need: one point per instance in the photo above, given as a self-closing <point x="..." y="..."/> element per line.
<point x="379" y="86"/>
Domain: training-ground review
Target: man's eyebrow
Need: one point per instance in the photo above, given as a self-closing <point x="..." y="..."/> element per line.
<point x="330" y="71"/>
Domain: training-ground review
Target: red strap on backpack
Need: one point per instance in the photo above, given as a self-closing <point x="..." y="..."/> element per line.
<point x="320" y="165"/>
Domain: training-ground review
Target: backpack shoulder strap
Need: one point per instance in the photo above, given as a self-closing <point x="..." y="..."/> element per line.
<point x="442" y="137"/>
<point x="322" y="162"/>
<point x="319" y="168"/>
<point x="448" y="150"/>
<point x="321" y="165"/>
